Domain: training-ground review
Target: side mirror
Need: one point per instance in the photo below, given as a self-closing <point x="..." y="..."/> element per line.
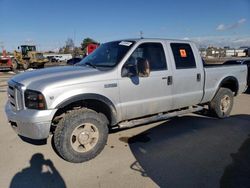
<point x="18" y="47"/>
<point x="143" y="67"/>
<point x="129" y="70"/>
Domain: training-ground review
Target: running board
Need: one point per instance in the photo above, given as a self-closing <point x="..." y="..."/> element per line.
<point x="158" y="117"/>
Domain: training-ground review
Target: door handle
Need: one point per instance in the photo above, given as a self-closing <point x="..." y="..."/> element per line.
<point x="198" y="78"/>
<point x="170" y="80"/>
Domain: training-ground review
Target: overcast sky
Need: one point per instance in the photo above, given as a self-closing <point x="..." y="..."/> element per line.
<point x="48" y="23"/>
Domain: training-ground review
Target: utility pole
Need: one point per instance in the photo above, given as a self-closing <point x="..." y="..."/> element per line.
<point x="74" y="37"/>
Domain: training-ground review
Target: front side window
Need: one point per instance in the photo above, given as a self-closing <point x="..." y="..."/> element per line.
<point x="151" y="52"/>
<point x="183" y="56"/>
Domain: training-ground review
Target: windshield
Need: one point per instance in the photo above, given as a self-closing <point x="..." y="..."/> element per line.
<point x="28" y="48"/>
<point x="108" y="54"/>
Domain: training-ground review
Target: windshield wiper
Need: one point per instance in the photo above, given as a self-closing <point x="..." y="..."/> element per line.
<point x="105" y="65"/>
<point x="90" y="64"/>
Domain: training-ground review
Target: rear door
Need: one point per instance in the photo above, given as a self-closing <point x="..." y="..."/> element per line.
<point x="188" y="75"/>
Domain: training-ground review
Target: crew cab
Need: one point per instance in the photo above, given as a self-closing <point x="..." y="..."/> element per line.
<point x="121" y="84"/>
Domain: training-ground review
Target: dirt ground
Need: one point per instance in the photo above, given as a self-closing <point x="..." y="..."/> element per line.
<point x="188" y="151"/>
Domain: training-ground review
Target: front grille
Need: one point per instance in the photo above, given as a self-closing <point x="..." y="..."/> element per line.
<point x="15" y="96"/>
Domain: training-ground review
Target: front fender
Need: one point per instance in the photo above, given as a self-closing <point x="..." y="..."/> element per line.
<point x="91" y="96"/>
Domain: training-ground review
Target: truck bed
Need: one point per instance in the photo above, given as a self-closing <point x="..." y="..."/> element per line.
<point x="215" y="73"/>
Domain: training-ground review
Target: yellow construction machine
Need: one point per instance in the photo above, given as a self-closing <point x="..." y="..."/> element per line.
<point x="27" y="57"/>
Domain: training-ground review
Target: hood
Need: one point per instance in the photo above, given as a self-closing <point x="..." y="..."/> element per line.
<point x="54" y="76"/>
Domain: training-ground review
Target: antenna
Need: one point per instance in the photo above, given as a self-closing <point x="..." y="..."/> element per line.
<point x="141" y="34"/>
<point x="74" y="38"/>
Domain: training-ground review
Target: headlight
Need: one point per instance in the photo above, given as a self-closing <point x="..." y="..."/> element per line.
<point x="34" y="100"/>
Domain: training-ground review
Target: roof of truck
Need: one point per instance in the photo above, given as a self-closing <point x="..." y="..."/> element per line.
<point x="154" y="39"/>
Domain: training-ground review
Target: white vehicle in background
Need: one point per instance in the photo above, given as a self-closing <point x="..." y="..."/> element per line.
<point x="63" y="57"/>
<point x="59" y="57"/>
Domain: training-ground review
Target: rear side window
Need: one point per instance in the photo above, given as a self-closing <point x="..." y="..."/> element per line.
<point x="154" y="53"/>
<point x="183" y="56"/>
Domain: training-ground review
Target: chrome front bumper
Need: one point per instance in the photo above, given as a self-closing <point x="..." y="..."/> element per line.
<point x="34" y="124"/>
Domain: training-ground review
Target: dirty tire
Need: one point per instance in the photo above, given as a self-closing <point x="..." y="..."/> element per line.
<point x="26" y="65"/>
<point x="73" y="148"/>
<point x="14" y="65"/>
<point x="222" y="104"/>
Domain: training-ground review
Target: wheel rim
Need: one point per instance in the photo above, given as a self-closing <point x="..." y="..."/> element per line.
<point x="84" y="137"/>
<point x="225" y="104"/>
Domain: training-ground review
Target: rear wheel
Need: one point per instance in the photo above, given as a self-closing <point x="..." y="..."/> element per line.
<point x="81" y="135"/>
<point x="222" y="103"/>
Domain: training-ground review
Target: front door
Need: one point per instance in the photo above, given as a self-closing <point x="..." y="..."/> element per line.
<point x="141" y="96"/>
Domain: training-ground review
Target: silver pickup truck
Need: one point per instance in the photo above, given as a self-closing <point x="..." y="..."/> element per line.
<point x="122" y="84"/>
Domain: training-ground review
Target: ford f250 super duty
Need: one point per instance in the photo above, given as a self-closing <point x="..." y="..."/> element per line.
<point x="121" y="84"/>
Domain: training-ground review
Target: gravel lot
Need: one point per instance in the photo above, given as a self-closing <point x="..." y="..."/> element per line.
<point x="188" y="151"/>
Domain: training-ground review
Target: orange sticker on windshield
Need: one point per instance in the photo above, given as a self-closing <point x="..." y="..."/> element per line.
<point x="183" y="53"/>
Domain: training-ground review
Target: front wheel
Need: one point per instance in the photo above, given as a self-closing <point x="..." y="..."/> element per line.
<point x="81" y="135"/>
<point x="222" y="104"/>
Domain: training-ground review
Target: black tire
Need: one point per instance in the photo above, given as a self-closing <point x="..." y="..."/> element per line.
<point x="40" y="66"/>
<point x="64" y="137"/>
<point x="26" y="64"/>
<point x="222" y="104"/>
